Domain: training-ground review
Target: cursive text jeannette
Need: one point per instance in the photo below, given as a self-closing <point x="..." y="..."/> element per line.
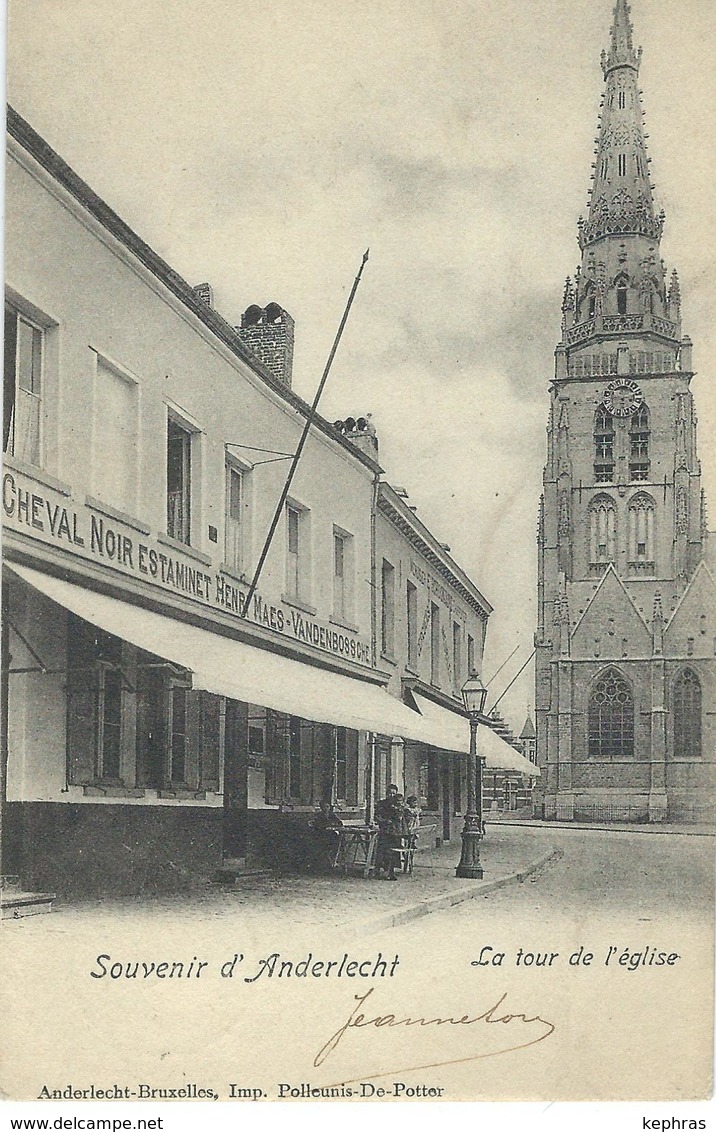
<point x="490" y="1016"/>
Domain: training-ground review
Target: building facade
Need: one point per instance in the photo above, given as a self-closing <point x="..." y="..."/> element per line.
<point x="510" y="790"/>
<point x="160" y="728"/>
<point x="431" y="634"/>
<point x="153" y="733"/>
<point x="626" y="635"/>
<point x="433" y="622"/>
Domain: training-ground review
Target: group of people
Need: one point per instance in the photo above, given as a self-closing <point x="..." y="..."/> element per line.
<point x="398" y="821"/>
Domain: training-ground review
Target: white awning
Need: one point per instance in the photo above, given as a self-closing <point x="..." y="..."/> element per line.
<point x="239" y="670"/>
<point x="454" y="733"/>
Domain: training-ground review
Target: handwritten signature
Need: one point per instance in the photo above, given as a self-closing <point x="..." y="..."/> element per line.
<point x="357" y="1020"/>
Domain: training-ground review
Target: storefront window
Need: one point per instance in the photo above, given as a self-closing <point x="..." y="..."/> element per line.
<point x="95" y="686"/>
<point x="110" y="726"/>
<point x="178" y="732"/>
<point x="341" y="762"/>
<point x="294" y="758"/>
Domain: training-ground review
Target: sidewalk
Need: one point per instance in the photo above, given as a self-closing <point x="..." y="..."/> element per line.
<point x="372" y="904"/>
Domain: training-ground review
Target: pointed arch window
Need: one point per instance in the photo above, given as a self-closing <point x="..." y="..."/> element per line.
<point x="639" y="444"/>
<point x="622" y="164"/>
<point x="588" y="302"/>
<point x="602" y="532"/>
<point x="603" y="446"/>
<point x="641" y="534"/>
<point x="621" y="100"/>
<point x="622" y="294"/>
<point x="687" y="715"/>
<point x="610" y="717"/>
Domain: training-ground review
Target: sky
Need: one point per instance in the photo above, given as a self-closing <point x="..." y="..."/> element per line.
<point x="263" y="147"/>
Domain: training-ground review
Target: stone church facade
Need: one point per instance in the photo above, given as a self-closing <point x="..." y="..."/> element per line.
<point x="626" y="634"/>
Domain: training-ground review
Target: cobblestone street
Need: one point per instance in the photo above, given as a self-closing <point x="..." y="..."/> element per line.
<point x="600" y="872"/>
<point x="306" y="901"/>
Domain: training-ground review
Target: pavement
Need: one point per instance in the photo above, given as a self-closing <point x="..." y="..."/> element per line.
<point x="508" y="855"/>
<point x="511" y="850"/>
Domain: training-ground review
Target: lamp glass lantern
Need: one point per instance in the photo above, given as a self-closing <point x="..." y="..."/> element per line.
<point x="474" y="694"/>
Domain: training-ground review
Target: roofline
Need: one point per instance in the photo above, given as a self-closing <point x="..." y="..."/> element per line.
<point x="396" y="511"/>
<point x="60" y="171"/>
<point x="701" y="566"/>
<point x="611" y="569"/>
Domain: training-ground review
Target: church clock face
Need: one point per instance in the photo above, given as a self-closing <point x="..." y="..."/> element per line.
<point x="623" y="398"/>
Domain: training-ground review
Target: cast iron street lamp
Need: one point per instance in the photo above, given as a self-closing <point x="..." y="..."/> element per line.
<point x="474" y="693"/>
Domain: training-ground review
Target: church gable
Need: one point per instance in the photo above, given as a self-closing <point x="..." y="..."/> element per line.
<point x="692" y="628"/>
<point x="611" y="626"/>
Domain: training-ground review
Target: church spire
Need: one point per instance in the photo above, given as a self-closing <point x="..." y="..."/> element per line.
<point x="621" y="50"/>
<point x="620" y="300"/>
<point x="621" y="195"/>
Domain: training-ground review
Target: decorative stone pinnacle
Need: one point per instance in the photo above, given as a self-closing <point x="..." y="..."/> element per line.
<point x="557" y="617"/>
<point x="621" y="49"/>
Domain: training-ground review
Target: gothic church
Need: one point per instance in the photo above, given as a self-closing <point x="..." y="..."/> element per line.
<point x="626" y="634"/>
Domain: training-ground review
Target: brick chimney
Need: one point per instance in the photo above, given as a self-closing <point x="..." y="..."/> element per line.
<point x="268" y="332"/>
<point x="361" y="432"/>
<point x="204" y="292"/>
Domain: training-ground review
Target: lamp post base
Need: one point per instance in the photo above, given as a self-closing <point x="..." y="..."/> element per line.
<point x="470" y="867"/>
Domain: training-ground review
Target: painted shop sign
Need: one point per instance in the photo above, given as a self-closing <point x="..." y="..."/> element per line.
<point x="95" y="537"/>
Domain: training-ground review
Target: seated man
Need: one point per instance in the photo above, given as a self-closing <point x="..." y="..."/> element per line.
<point x="326" y="828"/>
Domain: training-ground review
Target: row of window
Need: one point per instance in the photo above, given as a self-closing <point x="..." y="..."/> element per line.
<point x="114" y="466"/>
<point x="639" y="433"/>
<point x="115" y="440"/>
<point x="106" y="742"/>
<point x="134" y="723"/>
<point x="432" y="630"/>
<point x="647" y="293"/>
<point x="641" y="532"/>
<point x="610" y="719"/>
<point x="296" y="520"/>
<point x="605" y="365"/>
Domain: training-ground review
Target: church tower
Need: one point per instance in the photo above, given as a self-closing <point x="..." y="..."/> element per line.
<point x="626" y="633"/>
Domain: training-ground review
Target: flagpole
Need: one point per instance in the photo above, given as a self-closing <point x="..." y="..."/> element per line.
<point x="301" y="444"/>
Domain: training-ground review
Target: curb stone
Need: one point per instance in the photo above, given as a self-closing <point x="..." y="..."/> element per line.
<point x="537" y="824"/>
<point x="457" y="896"/>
